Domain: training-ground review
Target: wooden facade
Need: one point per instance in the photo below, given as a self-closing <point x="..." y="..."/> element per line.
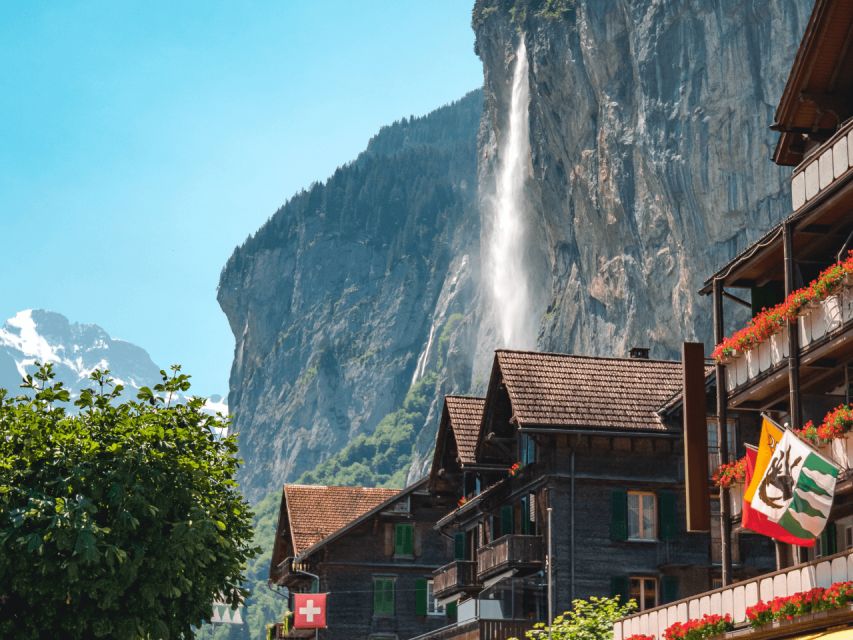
<point x="806" y="367"/>
<point x="377" y="567"/>
<point x="587" y="437"/>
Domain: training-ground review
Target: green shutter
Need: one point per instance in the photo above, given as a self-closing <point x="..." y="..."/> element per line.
<point x="403" y="539"/>
<point x="506" y="519"/>
<point x="420" y="597"/>
<point x="667" y="517"/>
<point x="450" y="610"/>
<point x="526" y="525"/>
<point x="383" y="597"/>
<point x="619" y="587"/>
<point x="827" y="540"/>
<point x="668" y="589"/>
<point x="619" y="514"/>
<point x="459" y="546"/>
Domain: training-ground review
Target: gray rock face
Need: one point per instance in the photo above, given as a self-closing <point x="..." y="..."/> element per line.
<point x="342" y="299"/>
<point x="650" y="154"/>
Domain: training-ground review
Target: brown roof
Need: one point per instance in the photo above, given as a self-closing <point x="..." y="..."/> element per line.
<point x="316" y="511"/>
<point x="466" y="413"/>
<point x="561" y="390"/>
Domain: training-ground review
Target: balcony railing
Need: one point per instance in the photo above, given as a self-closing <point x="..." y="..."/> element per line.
<point x="459" y="576"/>
<point x="821" y="321"/>
<point x="829" y="162"/>
<point x="482" y="629"/>
<point x="734" y="600"/>
<point x="509" y="552"/>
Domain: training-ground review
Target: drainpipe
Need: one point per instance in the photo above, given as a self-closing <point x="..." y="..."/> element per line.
<point x="550" y="582"/>
<point x="723" y="438"/>
<point x="572" y="524"/>
<point x="795" y="409"/>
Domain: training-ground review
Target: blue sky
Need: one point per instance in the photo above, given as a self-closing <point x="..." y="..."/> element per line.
<point x="141" y="142"/>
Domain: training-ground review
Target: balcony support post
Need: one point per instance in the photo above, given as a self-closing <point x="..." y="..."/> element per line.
<point x="722" y="438"/>
<point x="795" y="409"/>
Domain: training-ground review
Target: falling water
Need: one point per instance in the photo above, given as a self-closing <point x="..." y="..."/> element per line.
<point x="510" y="288"/>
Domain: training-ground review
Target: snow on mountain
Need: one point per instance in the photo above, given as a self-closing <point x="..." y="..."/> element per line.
<point x="75" y="350"/>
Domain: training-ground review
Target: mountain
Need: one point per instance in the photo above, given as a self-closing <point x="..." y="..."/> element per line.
<point x="641" y="166"/>
<point x="338" y="304"/>
<point x="75" y="350"/>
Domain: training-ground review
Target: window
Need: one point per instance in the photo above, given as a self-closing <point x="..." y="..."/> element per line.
<point x="642" y="516"/>
<point x="383" y="597"/>
<point x="527" y="450"/>
<point x="848" y="537"/>
<point x="714" y="443"/>
<point x="404" y="539"/>
<point x="644" y="591"/>
<point x="433" y="606"/>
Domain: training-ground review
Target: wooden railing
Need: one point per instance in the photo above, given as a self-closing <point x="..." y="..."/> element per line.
<point x="456" y="577"/>
<point x="509" y="552"/>
<point x="480" y="629"/>
<point x="826" y="165"/>
<point x="822" y="321"/>
<point x="734" y="600"/>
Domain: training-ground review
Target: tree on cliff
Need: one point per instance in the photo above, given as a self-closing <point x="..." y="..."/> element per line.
<point x="120" y="521"/>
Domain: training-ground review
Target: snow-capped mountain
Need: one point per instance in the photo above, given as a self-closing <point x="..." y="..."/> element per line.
<point x="75" y="350"/>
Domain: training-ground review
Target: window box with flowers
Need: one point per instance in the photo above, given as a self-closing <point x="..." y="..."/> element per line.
<point x="834" y="436"/>
<point x="732" y="476"/>
<point x="821" y="307"/>
<point x="785" y="609"/>
<point x="705" y="627"/>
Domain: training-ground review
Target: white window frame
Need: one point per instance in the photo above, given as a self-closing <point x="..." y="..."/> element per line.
<point x="644" y="535"/>
<point x="641" y="604"/>
<point x="434" y="608"/>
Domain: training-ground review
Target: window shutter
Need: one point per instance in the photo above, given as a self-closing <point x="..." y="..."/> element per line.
<point x="506" y="519"/>
<point x="378" y="597"/>
<point x="421" y="597"/>
<point x="450" y="610"/>
<point x="827" y="540"/>
<point x="667" y="518"/>
<point x="669" y="589"/>
<point x="459" y="546"/>
<point x="619" y="514"/>
<point x="398" y="539"/>
<point x="389" y="597"/>
<point x="619" y="587"/>
<point x="408" y="539"/>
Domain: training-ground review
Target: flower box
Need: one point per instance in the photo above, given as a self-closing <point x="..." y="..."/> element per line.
<point x="841" y="451"/>
<point x="736" y="500"/>
<point x="847" y="304"/>
<point x="804" y="326"/>
<point x="817" y="322"/>
<point x="779" y="346"/>
<point x="832" y="313"/>
<point x="752" y="368"/>
<point x="764" y="359"/>
<point x="741" y="369"/>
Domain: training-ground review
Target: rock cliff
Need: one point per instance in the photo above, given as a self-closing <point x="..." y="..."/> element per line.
<point x="349" y="293"/>
<point x="650" y="154"/>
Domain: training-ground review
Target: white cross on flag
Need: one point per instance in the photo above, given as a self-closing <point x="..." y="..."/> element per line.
<point x="309" y="610"/>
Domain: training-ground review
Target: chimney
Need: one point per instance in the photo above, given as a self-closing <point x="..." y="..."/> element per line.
<point x="641" y="353"/>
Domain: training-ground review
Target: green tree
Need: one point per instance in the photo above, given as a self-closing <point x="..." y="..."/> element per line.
<point x="588" y="620"/>
<point x="122" y="520"/>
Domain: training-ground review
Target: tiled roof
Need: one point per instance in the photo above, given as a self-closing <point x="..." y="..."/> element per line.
<point x="465" y="416"/>
<point x="560" y="390"/>
<point x="317" y="511"/>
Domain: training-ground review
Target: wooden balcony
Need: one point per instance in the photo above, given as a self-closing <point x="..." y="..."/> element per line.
<point x="480" y="630"/>
<point x="827" y="165"/>
<point x="734" y="599"/>
<point x="510" y="552"/>
<point x="824" y="331"/>
<point x="457" y="577"/>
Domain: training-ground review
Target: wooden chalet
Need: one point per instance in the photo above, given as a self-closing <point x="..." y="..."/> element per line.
<point x="802" y="367"/>
<point x="372" y="550"/>
<point x="584" y="437"/>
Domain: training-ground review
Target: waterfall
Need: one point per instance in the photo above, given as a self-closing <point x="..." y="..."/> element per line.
<point x="506" y="242"/>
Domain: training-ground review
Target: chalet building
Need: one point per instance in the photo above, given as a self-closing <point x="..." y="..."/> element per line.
<point x="795" y="360"/>
<point x="595" y="441"/>
<point x="372" y="550"/>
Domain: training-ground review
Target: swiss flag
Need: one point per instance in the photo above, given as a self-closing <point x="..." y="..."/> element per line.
<point x="309" y="610"/>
